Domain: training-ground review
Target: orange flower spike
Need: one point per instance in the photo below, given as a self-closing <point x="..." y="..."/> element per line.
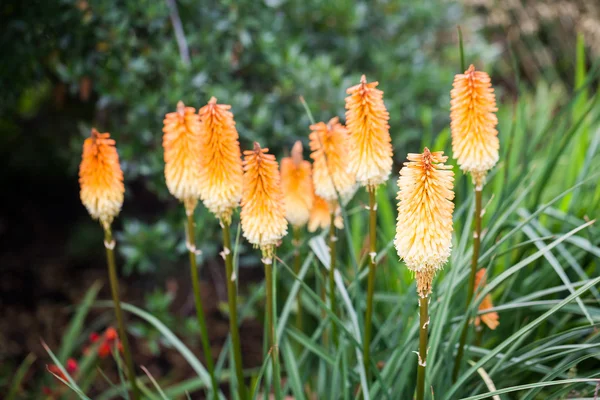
<point x="296" y="181"/>
<point x="320" y="215"/>
<point x="263" y="211"/>
<point x="101" y="178"/>
<point x="424" y="226"/>
<point x="473" y="123"/>
<point x="370" y="141"/>
<point x="181" y="143"/>
<point x="329" y="146"/>
<point x="491" y="319"/>
<point x="220" y="158"/>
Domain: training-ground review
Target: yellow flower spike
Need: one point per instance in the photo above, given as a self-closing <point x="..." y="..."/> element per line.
<point x="329" y="146"/>
<point x="220" y="160"/>
<point x="320" y="215"/>
<point x="181" y="143"/>
<point x="370" y="142"/>
<point x="101" y="178"/>
<point x="473" y="123"/>
<point x="491" y="319"/>
<point x="424" y="228"/>
<point x="263" y="210"/>
<point x="296" y="181"/>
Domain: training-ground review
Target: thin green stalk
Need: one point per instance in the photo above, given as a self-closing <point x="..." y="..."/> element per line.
<point x="332" y="253"/>
<point x="424" y="325"/>
<point x="191" y="245"/>
<point x="297" y="266"/>
<point x="463" y="67"/>
<point x="371" y="279"/>
<point x="271" y="307"/>
<point x="471" y="288"/>
<point x="109" y="244"/>
<point x="233" y="320"/>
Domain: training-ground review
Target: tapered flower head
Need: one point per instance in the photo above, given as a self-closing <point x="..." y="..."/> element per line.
<point x="181" y="143"/>
<point x="370" y="142"/>
<point x="263" y="210"/>
<point x="424" y="228"/>
<point x="473" y="123"/>
<point x="320" y="215"/>
<point x="329" y="146"/>
<point x="296" y="181"/>
<point x="491" y="319"/>
<point x="101" y="178"/>
<point x="220" y="160"/>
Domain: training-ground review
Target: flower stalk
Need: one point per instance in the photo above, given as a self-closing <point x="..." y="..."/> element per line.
<point x="271" y="307"/>
<point x="471" y="288"/>
<point x="475" y="146"/>
<point x="424" y="232"/>
<point x="109" y="244"/>
<point x="264" y="225"/>
<point x="332" y="262"/>
<point x="371" y="277"/>
<point x="191" y="246"/>
<point x="231" y="278"/>
<point x="423" y="330"/>
<point x="297" y="238"/>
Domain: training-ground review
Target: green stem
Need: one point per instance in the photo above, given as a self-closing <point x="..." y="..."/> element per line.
<point x="191" y="245"/>
<point x="233" y="320"/>
<point x="297" y="266"/>
<point x="371" y="279"/>
<point x="471" y="288"/>
<point x="332" y="253"/>
<point x="462" y="51"/>
<point x="271" y="306"/>
<point x="424" y="325"/>
<point x="109" y="244"/>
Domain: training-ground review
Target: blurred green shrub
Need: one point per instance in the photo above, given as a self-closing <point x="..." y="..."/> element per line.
<point x="260" y="56"/>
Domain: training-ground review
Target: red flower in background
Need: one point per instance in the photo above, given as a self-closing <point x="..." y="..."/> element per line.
<point x="71" y="367"/>
<point x="109" y="338"/>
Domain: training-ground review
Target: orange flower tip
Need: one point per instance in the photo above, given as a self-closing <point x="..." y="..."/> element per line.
<point x="363" y="79"/>
<point x="220" y="171"/>
<point x="330" y="153"/>
<point x="181" y="144"/>
<point x="473" y="123"/>
<point x="181" y="108"/>
<point x="263" y="210"/>
<point x="297" y="153"/>
<point x="424" y="226"/>
<point x="370" y="144"/>
<point x="101" y="178"/>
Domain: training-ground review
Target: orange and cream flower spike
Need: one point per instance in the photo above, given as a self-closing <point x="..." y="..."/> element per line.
<point x="101" y="178"/>
<point x="263" y="210"/>
<point x="220" y="160"/>
<point x="370" y="142"/>
<point x="424" y="229"/>
<point x="181" y="143"/>
<point x="329" y="146"/>
<point x="491" y="319"/>
<point x="296" y="181"/>
<point x="320" y="215"/>
<point x="473" y="123"/>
